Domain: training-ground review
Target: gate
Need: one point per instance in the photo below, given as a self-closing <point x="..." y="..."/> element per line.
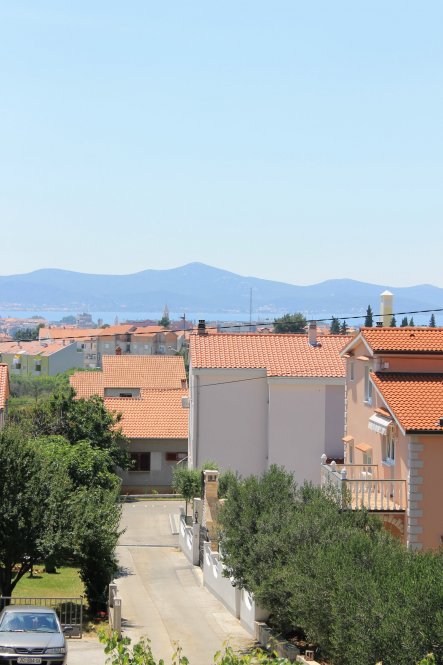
<point x="203" y="538"/>
<point x="68" y="610"/>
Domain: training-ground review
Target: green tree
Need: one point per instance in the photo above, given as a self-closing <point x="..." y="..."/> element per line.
<point x="26" y="335"/>
<point x="404" y="322"/>
<point x="76" y="420"/>
<point x="432" y="323"/>
<point x="187" y="482"/>
<point x="334" y="328"/>
<point x="344" y="328"/>
<point x="164" y="322"/>
<point x="393" y="322"/>
<point x="290" y="323"/>
<point x="369" y="319"/>
<point x="33" y="491"/>
<point x="411" y="321"/>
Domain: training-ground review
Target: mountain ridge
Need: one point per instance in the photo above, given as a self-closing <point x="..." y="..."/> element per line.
<point x="198" y="286"/>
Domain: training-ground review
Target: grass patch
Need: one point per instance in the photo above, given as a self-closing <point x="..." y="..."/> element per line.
<point x="64" y="583"/>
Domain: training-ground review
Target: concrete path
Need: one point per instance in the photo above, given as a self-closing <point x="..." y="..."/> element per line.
<point x="162" y="594"/>
<point x="87" y="651"/>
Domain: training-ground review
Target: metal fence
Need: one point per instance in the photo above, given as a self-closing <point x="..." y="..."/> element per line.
<point x="68" y="610"/>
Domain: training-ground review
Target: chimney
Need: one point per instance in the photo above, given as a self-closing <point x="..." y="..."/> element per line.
<point x="312" y="333"/>
<point x="201" y="329"/>
<point x="386" y="307"/>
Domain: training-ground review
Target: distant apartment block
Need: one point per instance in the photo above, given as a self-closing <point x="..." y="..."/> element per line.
<point x="121" y="340"/>
<point x="39" y="358"/>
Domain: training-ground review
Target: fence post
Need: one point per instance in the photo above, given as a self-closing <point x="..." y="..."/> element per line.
<point x="117" y="612"/>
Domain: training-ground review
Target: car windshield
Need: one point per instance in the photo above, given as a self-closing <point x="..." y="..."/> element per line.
<point x="24" y="622"/>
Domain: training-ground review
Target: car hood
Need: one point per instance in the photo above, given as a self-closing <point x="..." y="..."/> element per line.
<point x="31" y="640"/>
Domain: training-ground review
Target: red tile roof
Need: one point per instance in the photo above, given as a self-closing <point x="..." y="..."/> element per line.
<point x="404" y="340"/>
<point x="143" y="371"/>
<point x="157" y="414"/>
<point x="4" y="385"/>
<point x="80" y="333"/>
<point x="130" y="371"/>
<point x="34" y="348"/>
<point x="281" y="355"/>
<point x="416" y="400"/>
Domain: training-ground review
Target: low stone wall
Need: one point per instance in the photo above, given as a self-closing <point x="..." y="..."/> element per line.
<point x="188" y="537"/>
<point x="222" y="587"/>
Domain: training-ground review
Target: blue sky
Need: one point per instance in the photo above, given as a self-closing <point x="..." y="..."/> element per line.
<point x="286" y="140"/>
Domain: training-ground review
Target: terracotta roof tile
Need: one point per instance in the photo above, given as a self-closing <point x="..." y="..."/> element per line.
<point x="35" y="348"/>
<point x="281" y="355"/>
<point x="416" y="400"/>
<point x="157" y="414"/>
<point x="80" y="333"/>
<point x="130" y="371"/>
<point x="4" y="385"/>
<point x="404" y="340"/>
<point x="143" y="371"/>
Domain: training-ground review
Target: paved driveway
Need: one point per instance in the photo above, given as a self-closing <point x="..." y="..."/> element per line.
<point x="162" y="594"/>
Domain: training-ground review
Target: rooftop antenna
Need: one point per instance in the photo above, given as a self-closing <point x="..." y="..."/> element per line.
<point x="250" y="306"/>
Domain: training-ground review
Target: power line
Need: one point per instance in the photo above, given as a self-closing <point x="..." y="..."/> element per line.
<point x="339" y="318"/>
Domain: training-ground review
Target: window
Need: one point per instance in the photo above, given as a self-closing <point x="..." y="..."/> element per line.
<point x="351" y="453"/>
<point x="367" y="458"/>
<point x="141" y="461"/>
<point x="389" y="446"/>
<point x="125" y="394"/>
<point x="38" y="366"/>
<point x="351" y="371"/>
<point x="368" y="386"/>
<point x="175" y="457"/>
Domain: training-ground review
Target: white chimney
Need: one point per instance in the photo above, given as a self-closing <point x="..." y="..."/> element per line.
<point x="312" y="333"/>
<point x="386" y="307"/>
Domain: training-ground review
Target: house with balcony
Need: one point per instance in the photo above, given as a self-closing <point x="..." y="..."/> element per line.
<point x="393" y="443"/>
<point x="38" y="358"/>
<point x="258" y="399"/>
<point x="150" y="393"/>
<point x="4" y="393"/>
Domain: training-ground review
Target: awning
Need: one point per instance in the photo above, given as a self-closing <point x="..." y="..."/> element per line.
<point x="378" y="423"/>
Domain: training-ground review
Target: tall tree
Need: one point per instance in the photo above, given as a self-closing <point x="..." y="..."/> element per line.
<point x="393" y="323"/>
<point x="369" y="319"/>
<point x="334" y="328"/>
<point x="411" y="321"/>
<point x="404" y="322"/>
<point x="344" y="328"/>
<point x="290" y="323"/>
<point x="432" y="323"/>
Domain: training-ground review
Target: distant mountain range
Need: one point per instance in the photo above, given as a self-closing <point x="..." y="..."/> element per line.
<point x="198" y="287"/>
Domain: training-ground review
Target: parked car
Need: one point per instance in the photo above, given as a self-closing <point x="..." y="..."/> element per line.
<point x="31" y="635"/>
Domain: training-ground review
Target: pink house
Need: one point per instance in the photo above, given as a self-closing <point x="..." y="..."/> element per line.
<point x="4" y="392"/>
<point x="394" y="431"/>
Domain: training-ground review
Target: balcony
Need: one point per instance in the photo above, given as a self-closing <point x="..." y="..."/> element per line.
<point x="360" y="487"/>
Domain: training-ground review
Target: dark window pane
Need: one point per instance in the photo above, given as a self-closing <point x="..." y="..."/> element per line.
<point x="145" y="461"/>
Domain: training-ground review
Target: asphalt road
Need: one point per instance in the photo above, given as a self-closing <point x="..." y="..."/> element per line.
<point x="162" y="594"/>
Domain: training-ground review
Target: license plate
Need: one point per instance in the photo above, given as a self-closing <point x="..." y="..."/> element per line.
<point x="29" y="660"/>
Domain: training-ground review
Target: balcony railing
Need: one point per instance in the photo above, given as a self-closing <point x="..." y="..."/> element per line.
<point x="360" y="487"/>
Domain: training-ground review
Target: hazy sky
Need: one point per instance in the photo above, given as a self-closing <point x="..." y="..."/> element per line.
<point x="295" y="141"/>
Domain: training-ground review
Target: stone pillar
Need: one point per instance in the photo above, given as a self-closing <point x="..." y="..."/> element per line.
<point x="211" y="505"/>
<point x="414" y="511"/>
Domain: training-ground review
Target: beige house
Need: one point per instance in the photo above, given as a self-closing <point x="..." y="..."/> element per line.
<point x="259" y="399"/>
<point x="121" y="339"/>
<point x="394" y="431"/>
<point x="150" y="392"/>
<point x="38" y="358"/>
<point x="4" y="393"/>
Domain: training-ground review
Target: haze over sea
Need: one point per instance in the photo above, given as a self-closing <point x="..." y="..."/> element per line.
<point x="243" y="317"/>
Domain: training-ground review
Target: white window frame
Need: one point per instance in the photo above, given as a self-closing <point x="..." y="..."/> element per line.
<point x="368" y="386"/>
<point x="389" y="441"/>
